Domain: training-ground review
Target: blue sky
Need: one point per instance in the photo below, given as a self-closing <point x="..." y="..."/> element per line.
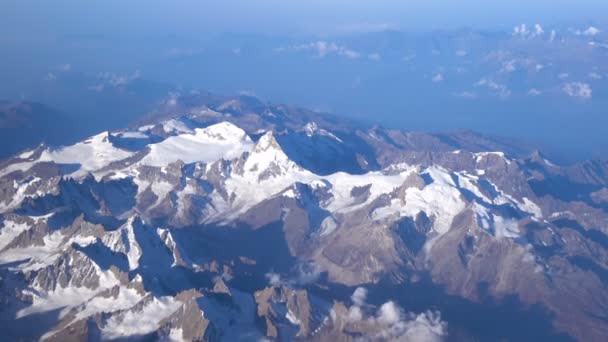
<point x="61" y="17"/>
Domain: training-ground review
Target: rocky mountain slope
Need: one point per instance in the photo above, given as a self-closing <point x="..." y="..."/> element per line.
<point x="230" y="219"/>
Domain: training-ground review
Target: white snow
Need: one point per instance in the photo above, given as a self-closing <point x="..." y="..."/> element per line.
<point x="176" y="335"/>
<point x="176" y="126"/>
<point x="26" y="154"/>
<point x="328" y="226"/>
<point x="496" y="225"/>
<point x="91" y="154"/>
<point x="10" y="231"/>
<point x="123" y="240"/>
<point x="67" y="297"/>
<point x="223" y="140"/>
<point x="311" y="129"/>
<point x="440" y="199"/>
<point x="41" y="256"/>
<point x="126" y="298"/>
<point x="480" y="156"/>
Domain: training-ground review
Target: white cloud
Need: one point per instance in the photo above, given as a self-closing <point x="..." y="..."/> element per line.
<point x="437" y="78"/>
<point x="509" y="66"/>
<point x="534" y="92"/>
<point x="563" y="76"/>
<point x="595" y="76"/>
<point x="590" y="32"/>
<point x="302" y="274"/>
<point x="374" y="56"/>
<point x="359" y="296"/>
<point x="274" y="279"/>
<point x="172" y="100"/>
<point x="412" y="328"/>
<point x="410" y="57"/>
<point x="500" y="89"/>
<point x="65" y="67"/>
<point x="552" y="36"/>
<point x="116" y="80"/>
<point x="392" y="323"/>
<point x="176" y="52"/>
<point x="522" y="31"/>
<point x="466" y="95"/>
<point x="389" y="313"/>
<point x="322" y="48"/>
<point x="578" y="89"/>
<point x="368" y="27"/>
<point x="461" y="53"/>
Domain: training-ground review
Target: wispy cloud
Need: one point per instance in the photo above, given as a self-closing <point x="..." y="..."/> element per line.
<point x="497" y="88"/>
<point x="469" y="95"/>
<point x="113" y="80"/>
<point x="322" y="48"/>
<point x="367" y="27"/>
<point x="374" y="56"/>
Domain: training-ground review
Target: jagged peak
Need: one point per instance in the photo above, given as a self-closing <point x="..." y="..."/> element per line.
<point x="310" y="128"/>
<point x="267" y="142"/>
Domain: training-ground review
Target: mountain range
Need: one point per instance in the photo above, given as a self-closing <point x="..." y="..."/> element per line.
<point x="227" y="218"/>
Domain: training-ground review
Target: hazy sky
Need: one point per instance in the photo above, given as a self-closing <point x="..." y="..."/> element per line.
<point x="40" y="37"/>
<point x="64" y="17"/>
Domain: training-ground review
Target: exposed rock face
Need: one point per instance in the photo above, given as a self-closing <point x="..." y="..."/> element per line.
<point x="230" y="223"/>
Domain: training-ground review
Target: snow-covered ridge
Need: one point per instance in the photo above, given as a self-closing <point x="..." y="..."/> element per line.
<point x="265" y="171"/>
<point x="89" y="155"/>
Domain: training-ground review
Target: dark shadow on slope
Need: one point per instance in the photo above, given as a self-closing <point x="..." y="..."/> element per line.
<point x="254" y="252"/>
<point x="591" y="234"/>
<point x="103" y="256"/>
<point x="587" y="264"/>
<point x="156" y="266"/>
<point x="325" y="155"/>
<point x="564" y="189"/>
<point x="84" y="198"/>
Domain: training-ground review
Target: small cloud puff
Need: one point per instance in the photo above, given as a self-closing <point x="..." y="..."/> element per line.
<point x="359" y="296"/>
<point x="65" y="67"/>
<point x="578" y="90"/>
<point x="437" y="78"/>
